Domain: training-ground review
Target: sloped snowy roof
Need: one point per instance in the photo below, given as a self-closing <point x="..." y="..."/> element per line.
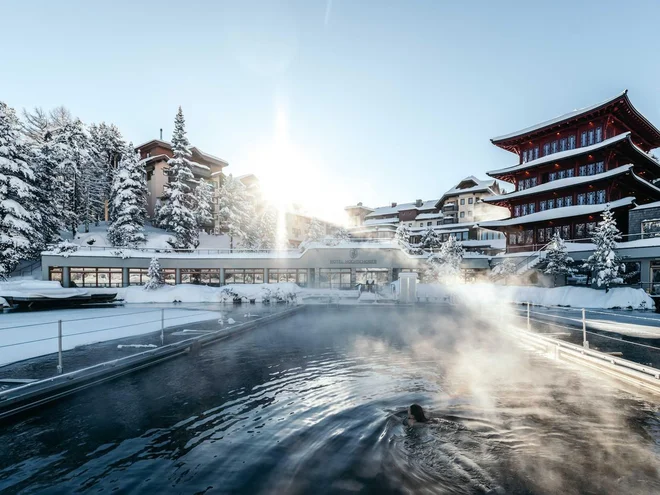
<point x="559" y="184"/>
<point x="390" y="210"/>
<point x="555" y="157"/>
<point x="557" y="119"/>
<point x="381" y="221"/>
<point x="565" y="212"/>
<point x="481" y="185"/>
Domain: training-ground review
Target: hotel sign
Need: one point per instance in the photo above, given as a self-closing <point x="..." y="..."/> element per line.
<point x="354" y="253"/>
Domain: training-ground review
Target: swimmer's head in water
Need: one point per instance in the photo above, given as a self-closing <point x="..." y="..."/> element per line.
<point x="416" y="413"/>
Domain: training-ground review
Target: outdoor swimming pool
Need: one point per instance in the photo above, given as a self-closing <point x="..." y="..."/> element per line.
<point x="315" y="404"/>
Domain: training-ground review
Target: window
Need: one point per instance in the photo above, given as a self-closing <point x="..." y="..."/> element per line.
<point x="570" y="172"/>
<point x="548" y="233"/>
<point x="600" y="197"/>
<point x="552" y="176"/>
<point x="561" y="174"/>
<point x="650" y="228"/>
<point x="581" y="199"/>
<point x="421" y="224"/>
<point x="579" y="231"/>
<point x="462" y="201"/>
<point x="562" y="144"/>
<point x="513" y="238"/>
<point x="591" y="137"/>
<point x="583" y="139"/>
<point x="571" y="142"/>
<point x="516" y="211"/>
<point x="532" y="208"/>
<point x="439" y="222"/>
<point x="470" y="201"/>
<point x="553" y="146"/>
<point x="565" y="231"/>
<point x="560" y="202"/>
<point x="591" y="198"/>
<point x="600" y="167"/>
<point x="462" y="214"/>
<point x="200" y="276"/>
<point x="591" y="169"/>
<point x="138" y="276"/>
<point x="244" y="276"/>
<point x="532" y="182"/>
<point x="542" y="205"/>
<point x="568" y="201"/>
<point x="599" y="134"/>
<point x="291" y="275"/>
<point x="541" y="235"/>
<point x="410" y="224"/>
<point x="582" y="170"/>
<point x="428" y="224"/>
<point x="551" y="204"/>
<point x="55" y="274"/>
<point x="523" y="210"/>
<point x="529" y="236"/>
<point x="591" y="226"/>
<point x="335" y="278"/>
<point x="536" y="152"/>
<point x="524" y="156"/>
<point x="96" y="277"/>
<point x="546" y="149"/>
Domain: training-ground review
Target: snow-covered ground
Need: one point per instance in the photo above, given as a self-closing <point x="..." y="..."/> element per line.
<point x="576" y="297"/>
<point x="27" y="335"/>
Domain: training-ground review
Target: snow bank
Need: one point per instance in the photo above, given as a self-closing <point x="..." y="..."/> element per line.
<point x="577" y="297"/>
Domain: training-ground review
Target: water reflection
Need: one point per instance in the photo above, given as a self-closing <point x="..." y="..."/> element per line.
<point x="315" y="404"/>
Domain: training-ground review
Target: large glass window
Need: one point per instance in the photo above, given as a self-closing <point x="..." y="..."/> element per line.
<point x="541" y="235"/>
<point x="529" y="236"/>
<point x="599" y="134"/>
<point x="244" y="276"/>
<point x="201" y="276"/>
<point x="651" y="228"/>
<point x="55" y="274"/>
<point x="581" y="199"/>
<point x="591" y="198"/>
<point x="138" y="276"/>
<point x="335" y="278"/>
<point x="583" y="138"/>
<point x="542" y="205"/>
<point x="600" y="196"/>
<point x="571" y="142"/>
<point x="96" y="277"/>
<point x="516" y="211"/>
<point x="565" y="231"/>
<point x="579" y="230"/>
<point x="291" y="275"/>
<point x="546" y="149"/>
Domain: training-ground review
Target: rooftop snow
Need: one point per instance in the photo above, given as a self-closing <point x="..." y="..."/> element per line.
<point x="655" y="204"/>
<point x="381" y="221"/>
<point x="428" y="216"/>
<point x="481" y="185"/>
<point x="559" y="184"/>
<point x="556" y="120"/>
<point x="566" y="211"/>
<point x="390" y="210"/>
<point x="555" y="157"/>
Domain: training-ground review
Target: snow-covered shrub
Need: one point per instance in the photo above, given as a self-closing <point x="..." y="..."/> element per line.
<point x="65" y="247"/>
<point x="605" y="262"/>
<point x="121" y="253"/>
<point x="155" y="275"/>
<point x="558" y="262"/>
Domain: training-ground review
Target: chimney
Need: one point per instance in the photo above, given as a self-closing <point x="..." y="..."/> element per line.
<point x="360" y="203"/>
<point x="418" y="203"/>
<point x="161" y="133"/>
<point x="393" y="205"/>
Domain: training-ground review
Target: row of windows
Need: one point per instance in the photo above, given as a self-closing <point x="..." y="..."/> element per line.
<point x="589" y="198"/>
<point x="544" y="234"/>
<point x="527" y="183"/>
<point x="561" y="174"/>
<point x="469" y="200"/>
<point x="591" y="169"/>
<point x="587" y="138"/>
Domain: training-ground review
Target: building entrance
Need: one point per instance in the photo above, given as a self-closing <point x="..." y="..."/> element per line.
<point x="379" y="276"/>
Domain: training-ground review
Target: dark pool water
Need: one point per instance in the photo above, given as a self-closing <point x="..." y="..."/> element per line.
<point x="315" y="404"/>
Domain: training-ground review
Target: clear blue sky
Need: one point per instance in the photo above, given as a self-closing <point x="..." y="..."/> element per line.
<point x="333" y="101"/>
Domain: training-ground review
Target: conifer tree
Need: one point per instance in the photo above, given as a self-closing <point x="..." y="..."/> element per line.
<point x="402" y="235"/>
<point x="341" y="235"/>
<point x="203" y="204"/>
<point x="128" y="203"/>
<point x="557" y="258"/>
<point x="176" y="213"/>
<point x="235" y="214"/>
<point x="20" y="237"/>
<point x="430" y="239"/>
<point x="450" y="256"/>
<point x="604" y="263"/>
<point x="155" y="275"/>
<point x="316" y="231"/>
<point x="108" y="147"/>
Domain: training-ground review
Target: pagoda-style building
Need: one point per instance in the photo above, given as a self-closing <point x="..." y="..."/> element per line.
<point x="569" y="168"/>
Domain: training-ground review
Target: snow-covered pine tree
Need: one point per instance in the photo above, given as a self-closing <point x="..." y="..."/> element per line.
<point x="504" y="270"/>
<point x="266" y="232"/>
<point x="341" y="235"/>
<point x="203" y="204"/>
<point x="155" y="275"/>
<point x="235" y="214"/>
<point x="316" y="231"/>
<point x="402" y="235"/>
<point x="176" y="213"/>
<point x="604" y="263"/>
<point x="128" y="202"/>
<point x="20" y="236"/>
<point x="558" y="262"/>
<point x="108" y="147"/>
<point x="71" y="150"/>
<point x="430" y="239"/>
<point x="449" y="257"/>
